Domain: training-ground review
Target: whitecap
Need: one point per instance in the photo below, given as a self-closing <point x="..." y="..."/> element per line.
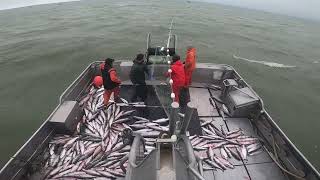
<point x="267" y="63"/>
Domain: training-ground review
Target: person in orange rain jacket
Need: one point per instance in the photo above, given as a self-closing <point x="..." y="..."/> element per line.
<point x="189" y="64"/>
<point x="110" y="80"/>
<point x="177" y="75"/>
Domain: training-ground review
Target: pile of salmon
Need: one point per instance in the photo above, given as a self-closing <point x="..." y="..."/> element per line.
<point x="217" y="147"/>
<point x="97" y="149"/>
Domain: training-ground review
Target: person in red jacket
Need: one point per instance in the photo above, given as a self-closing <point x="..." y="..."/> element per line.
<point x="177" y="75"/>
<point x="110" y="80"/>
<point x="189" y="65"/>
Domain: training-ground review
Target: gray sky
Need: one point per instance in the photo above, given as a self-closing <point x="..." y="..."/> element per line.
<point x="10" y="4"/>
<point x="299" y="8"/>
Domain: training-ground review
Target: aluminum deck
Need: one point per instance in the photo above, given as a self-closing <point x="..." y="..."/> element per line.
<point x="257" y="167"/>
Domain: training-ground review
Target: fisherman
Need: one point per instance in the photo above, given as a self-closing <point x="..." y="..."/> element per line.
<point x="189" y="64"/>
<point x="110" y="80"/>
<point x="178" y="76"/>
<point x="137" y="76"/>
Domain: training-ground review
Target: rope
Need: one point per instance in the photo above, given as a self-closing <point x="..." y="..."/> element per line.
<point x="274" y="157"/>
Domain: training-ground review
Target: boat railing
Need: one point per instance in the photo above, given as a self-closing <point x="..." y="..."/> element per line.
<point x="83" y="79"/>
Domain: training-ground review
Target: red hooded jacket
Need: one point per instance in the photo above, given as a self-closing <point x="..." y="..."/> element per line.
<point x="177" y="74"/>
<point x="190" y="63"/>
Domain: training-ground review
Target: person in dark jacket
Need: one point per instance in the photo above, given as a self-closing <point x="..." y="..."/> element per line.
<point x="178" y="76"/>
<point x="137" y="76"/>
<point x="111" y="81"/>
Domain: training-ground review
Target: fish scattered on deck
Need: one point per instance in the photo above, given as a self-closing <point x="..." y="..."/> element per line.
<point x="221" y="146"/>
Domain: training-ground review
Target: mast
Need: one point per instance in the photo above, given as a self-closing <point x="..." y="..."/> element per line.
<point x="169" y="36"/>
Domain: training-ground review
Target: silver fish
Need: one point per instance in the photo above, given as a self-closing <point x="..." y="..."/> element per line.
<point x="223" y="153"/>
<point x="124" y="101"/>
<point x="234" y="154"/>
<point x="243" y="152"/>
<point x="224" y="162"/>
<point x="218" y="162"/>
<point x="225" y="109"/>
<point x="213" y="164"/>
<point x="161" y="121"/>
<point x="253" y="147"/>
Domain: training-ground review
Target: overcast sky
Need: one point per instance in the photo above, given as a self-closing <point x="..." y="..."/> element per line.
<point x="299" y="8"/>
<point x="9" y="4"/>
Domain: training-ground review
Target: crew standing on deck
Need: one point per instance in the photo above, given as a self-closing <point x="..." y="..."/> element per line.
<point x="111" y="81"/>
<point x="189" y="65"/>
<point x="137" y="76"/>
<point x="178" y="76"/>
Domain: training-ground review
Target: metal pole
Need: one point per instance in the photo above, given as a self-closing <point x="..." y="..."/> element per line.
<point x="187" y="117"/>
<point x="174" y="117"/>
<point x="169" y="37"/>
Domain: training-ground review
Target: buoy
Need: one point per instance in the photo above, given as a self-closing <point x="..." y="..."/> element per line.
<point x="97" y="81"/>
<point x="172" y="96"/>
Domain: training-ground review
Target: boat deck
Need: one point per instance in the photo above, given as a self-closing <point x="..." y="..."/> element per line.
<point x="257" y="167"/>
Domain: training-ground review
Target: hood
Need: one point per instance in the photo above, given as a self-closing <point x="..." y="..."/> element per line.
<point x="178" y="63"/>
<point x="138" y="61"/>
<point x="191" y="50"/>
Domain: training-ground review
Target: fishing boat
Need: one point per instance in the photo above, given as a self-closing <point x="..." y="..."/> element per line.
<point x="218" y="96"/>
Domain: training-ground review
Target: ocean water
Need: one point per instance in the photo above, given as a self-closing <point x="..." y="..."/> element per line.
<point x="44" y="48"/>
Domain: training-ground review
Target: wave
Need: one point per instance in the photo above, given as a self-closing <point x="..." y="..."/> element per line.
<point x="270" y="64"/>
<point x="28" y="3"/>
